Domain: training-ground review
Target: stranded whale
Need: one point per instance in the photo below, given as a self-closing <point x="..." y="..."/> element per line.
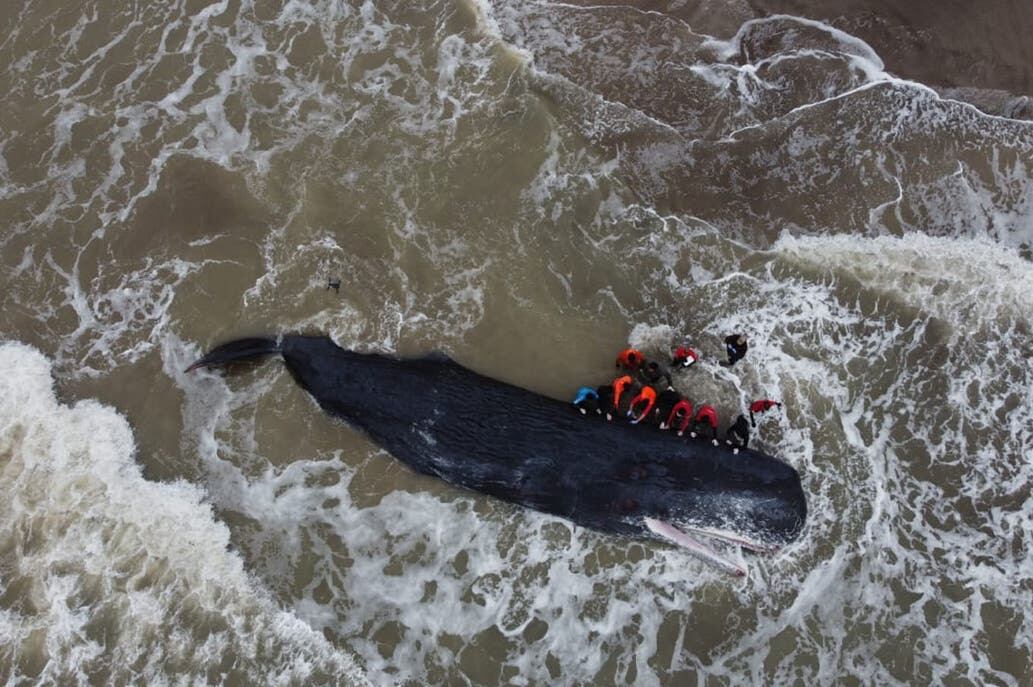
<point x="441" y="419"/>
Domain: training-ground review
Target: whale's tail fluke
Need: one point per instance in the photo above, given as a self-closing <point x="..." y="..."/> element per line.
<point x="235" y="351"/>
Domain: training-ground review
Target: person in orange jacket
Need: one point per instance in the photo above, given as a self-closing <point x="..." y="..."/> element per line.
<point x="642" y="405"/>
<point x="624" y="389"/>
<point x="630" y="360"/>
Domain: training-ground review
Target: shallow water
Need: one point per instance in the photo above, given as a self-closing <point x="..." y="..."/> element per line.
<point x="528" y="187"/>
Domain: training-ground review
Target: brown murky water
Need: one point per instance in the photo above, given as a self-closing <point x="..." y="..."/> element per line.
<point x="528" y="187"/>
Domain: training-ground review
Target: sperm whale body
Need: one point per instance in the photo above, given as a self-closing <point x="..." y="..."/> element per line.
<point x="482" y="434"/>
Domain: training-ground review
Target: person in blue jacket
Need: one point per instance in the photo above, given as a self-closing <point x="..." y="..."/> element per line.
<point x="587" y="400"/>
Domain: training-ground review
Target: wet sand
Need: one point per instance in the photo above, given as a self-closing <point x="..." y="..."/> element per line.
<point x="978" y="52"/>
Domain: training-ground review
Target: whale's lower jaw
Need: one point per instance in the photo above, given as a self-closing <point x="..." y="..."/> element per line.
<point x="734" y="538"/>
<point x="669" y="532"/>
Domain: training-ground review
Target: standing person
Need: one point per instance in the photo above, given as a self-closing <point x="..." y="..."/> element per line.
<point x="684" y="357"/>
<point x="738" y="435"/>
<point x="761" y="406"/>
<point x="652" y="373"/>
<point x="706" y="421"/>
<point x="736" y="347"/>
<point x="630" y="360"/>
<point x="586" y="400"/>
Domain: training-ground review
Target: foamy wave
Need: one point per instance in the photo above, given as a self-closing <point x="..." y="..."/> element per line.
<point x="945" y="278"/>
<point x="791" y="111"/>
<point x="656" y="67"/>
<point x="782" y="33"/>
<point x="910" y="426"/>
<point x="111" y="577"/>
<point x="903" y="370"/>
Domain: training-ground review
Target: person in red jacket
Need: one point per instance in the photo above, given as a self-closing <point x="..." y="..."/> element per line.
<point x="761" y="406"/>
<point x="630" y="359"/>
<point x="679" y="417"/>
<point x="684" y="357"/>
<point x="706" y="419"/>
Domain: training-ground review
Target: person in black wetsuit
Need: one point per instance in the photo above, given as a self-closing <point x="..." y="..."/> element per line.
<point x="665" y="402"/>
<point x="738" y="435"/>
<point x="654" y="374"/>
<point x="736" y="347"/>
<point x="605" y="394"/>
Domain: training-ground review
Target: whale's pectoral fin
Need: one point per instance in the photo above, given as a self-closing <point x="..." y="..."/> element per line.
<point x="696" y="548"/>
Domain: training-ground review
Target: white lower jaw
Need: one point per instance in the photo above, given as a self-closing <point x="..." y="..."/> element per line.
<point x="734" y="538"/>
<point x="693" y="546"/>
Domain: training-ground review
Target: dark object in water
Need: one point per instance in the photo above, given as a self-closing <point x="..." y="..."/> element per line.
<point x="472" y="431"/>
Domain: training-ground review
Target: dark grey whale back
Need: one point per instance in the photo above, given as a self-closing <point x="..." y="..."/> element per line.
<point x="478" y="433"/>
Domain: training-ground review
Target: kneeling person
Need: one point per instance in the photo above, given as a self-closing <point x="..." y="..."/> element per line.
<point x="738" y="435"/>
<point x="706" y="422"/>
<point x="587" y="400"/>
<point x="642" y="405"/>
<point x="679" y="417"/>
<point x="666" y="400"/>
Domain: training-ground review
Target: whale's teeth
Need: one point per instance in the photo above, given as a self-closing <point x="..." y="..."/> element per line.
<point x="696" y="548"/>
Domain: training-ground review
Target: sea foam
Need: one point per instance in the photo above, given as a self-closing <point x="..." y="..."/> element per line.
<point x="109" y="576"/>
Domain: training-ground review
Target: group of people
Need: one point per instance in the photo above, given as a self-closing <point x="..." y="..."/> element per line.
<point x="643" y="392"/>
